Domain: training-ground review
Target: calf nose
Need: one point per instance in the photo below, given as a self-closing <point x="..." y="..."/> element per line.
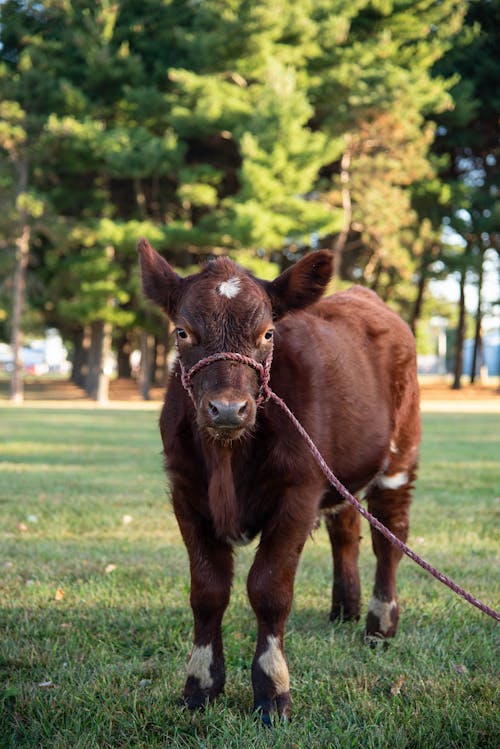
<point x="227" y="414"/>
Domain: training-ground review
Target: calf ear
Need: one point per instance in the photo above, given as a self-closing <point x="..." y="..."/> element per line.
<point x="302" y="284"/>
<point x="160" y="282"/>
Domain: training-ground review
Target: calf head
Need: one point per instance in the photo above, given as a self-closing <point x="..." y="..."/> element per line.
<point x="223" y="308"/>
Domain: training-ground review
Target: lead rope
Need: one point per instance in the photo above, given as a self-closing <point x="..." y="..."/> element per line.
<point x="265" y="394"/>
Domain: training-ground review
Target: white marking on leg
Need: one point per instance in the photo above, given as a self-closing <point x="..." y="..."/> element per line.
<point x="199" y="665"/>
<point x="382" y="610"/>
<point x="230" y="288"/>
<point x="392" y="482"/>
<point x="272" y="662"/>
<point x="394" y="447"/>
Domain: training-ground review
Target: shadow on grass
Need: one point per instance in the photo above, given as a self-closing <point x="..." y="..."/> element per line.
<point x="107" y="675"/>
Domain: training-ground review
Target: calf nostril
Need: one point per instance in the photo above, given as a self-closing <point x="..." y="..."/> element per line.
<point x="212" y="409"/>
<point x="242" y="409"/>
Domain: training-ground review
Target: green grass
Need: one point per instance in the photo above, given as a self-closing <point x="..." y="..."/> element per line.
<point x="116" y="645"/>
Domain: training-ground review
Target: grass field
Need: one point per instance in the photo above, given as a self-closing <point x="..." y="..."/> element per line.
<point x="95" y="624"/>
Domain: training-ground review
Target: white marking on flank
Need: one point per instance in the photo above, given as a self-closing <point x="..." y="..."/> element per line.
<point x="230" y="288"/>
<point x="199" y="665"/>
<point x="382" y="611"/>
<point x="392" y="482"/>
<point x="272" y="662"/>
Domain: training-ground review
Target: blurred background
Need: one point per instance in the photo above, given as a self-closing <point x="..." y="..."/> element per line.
<point x="259" y="129"/>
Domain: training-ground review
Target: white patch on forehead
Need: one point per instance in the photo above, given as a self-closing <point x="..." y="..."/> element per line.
<point x="230" y="288"/>
<point x="272" y="662"/>
<point x="199" y="665"/>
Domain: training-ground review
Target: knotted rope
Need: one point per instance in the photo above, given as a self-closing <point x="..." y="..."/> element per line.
<point x="265" y="394"/>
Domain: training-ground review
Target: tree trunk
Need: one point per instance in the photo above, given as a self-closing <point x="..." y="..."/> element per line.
<point x="459" y="356"/>
<point x="147" y="343"/>
<point x="97" y="382"/>
<point x="377" y="272"/>
<point x="345" y="165"/>
<point x="140" y="197"/>
<point x="373" y="269"/>
<point x="416" y="312"/>
<point x="123" y="357"/>
<point x="155" y="198"/>
<point x="417" y="307"/>
<point x="102" y="395"/>
<point x="81" y="344"/>
<point x="92" y="366"/>
<point x="161" y="368"/>
<point x="19" y="301"/>
<point x="479" y="321"/>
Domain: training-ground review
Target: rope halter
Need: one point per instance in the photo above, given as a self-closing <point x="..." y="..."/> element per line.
<point x="263" y="370"/>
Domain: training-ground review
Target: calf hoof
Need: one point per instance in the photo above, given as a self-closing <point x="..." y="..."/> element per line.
<point x="347" y="611"/>
<point x="196" y="701"/>
<point x="195" y="697"/>
<point x="266" y="709"/>
<point x="382" y="619"/>
<point x="375" y="642"/>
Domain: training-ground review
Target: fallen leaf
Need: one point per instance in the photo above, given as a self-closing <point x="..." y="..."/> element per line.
<point x="127" y="519"/>
<point x="59" y="594"/>
<point x="22" y="527"/>
<point x="396" y="687"/>
<point x="32" y="518"/>
<point x="460" y="668"/>
<point x="8" y="565"/>
<point x="46" y="685"/>
<point x="109" y="568"/>
<point x="9" y="694"/>
<point x="145" y="682"/>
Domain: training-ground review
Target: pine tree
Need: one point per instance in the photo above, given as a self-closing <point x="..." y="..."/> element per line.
<point x="375" y="86"/>
<point x="26" y="96"/>
<point x="468" y="145"/>
<point x="224" y="128"/>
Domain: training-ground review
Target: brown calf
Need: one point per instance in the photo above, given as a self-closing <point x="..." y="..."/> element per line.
<point x="346" y="367"/>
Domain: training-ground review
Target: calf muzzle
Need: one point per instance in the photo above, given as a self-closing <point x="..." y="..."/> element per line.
<point x="228" y="414"/>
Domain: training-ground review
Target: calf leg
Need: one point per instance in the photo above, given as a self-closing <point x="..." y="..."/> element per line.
<point x="270" y="589"/>
<point x="343" y="525"/>
<point x="389" y="500"/>
<point x="211" y="564"/>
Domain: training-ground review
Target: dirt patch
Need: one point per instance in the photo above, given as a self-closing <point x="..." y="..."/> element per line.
<point x="50" y="389"/>
<point x="435" y="396"/>
<point x="442" y="391"/>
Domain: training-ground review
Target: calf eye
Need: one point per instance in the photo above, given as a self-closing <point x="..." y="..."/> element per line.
<point x="268" y="335"/>
<point x="181" y="333"/>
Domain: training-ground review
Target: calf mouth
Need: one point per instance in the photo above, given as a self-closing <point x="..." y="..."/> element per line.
<point x="225" y="435"/>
